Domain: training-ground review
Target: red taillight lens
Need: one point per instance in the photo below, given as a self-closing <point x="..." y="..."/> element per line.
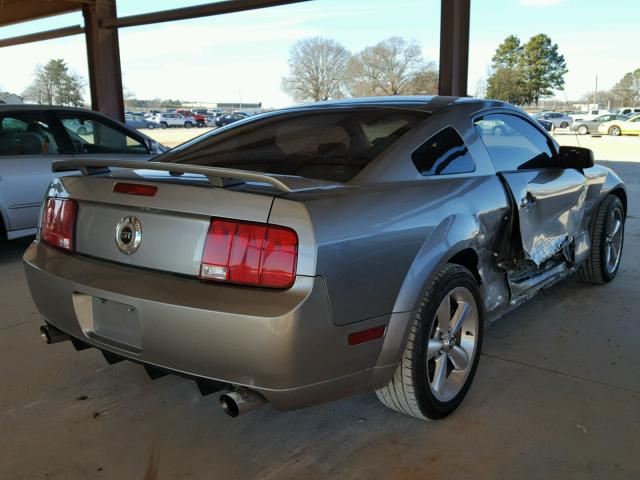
<point x="135" y="189"/>
<point x="59" y="222"/>
<point x="250" y="253"/>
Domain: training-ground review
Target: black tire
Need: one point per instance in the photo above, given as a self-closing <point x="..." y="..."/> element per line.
<point x="163" y="124"/>
<point x="564" y="125"/>
<point x="409" y="391"/>
<point x="188" y="124"/>
<point x="594" y="269"/>
<point x="614" y="131"/>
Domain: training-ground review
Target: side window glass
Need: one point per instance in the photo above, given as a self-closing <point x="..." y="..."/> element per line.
<point x="513" y="143"/>
<point x="27" y="134"/>
<point x="443" y="154"/>
<point x="90" y="135"/>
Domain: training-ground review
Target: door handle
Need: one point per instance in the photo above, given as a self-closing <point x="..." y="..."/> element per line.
<point x="528" y="201"/>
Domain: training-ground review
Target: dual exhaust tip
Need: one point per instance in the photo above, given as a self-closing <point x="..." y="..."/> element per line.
<point x="234" y="403"/>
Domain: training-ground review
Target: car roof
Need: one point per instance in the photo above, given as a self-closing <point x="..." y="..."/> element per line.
<point x="425" y="103"/>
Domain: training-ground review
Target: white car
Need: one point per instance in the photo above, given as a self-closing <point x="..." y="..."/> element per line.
<point x="173" y="120"/>
<point x="590" y="114"/>
<point x="627" y="110"/>
<point x="631" y="126"/>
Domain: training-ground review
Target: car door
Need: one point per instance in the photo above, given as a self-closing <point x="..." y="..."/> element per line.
<point x="102" y="136"/>
<point x="550" y="200"/>
<point x="29" y="142"/>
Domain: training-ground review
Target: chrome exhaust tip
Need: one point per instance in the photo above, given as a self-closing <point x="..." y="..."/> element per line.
<point x="50" y="334"/>
<point x="240" y="401"/>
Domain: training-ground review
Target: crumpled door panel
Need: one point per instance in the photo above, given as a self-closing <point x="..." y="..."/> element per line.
<point x="551" y="207"/>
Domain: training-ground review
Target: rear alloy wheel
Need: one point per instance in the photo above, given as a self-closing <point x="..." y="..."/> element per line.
<point x="583" y="130"/>
<point x="614" y="131"/>
<point x="443" y="349"/>
<point x="564" y="125"/>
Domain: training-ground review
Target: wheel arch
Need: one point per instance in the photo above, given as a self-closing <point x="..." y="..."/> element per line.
<point x="454" y="240"/>
<point x="621" y="193"/>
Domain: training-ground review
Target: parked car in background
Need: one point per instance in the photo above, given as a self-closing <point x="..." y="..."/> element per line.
<point x="584" y="127"/>
<point x="343" y="247"/>
<point x="546" y="124"/>
<point x="589" y="114"/>
<point x="136" y="121"/>
<point x="559" y="120"/>
<point x="79" y="127"/>
<point x="627" y="111"/>
<point x="627" y="126"/>
<point x="34" y="136"/>
<point x="226" y="119"/>
<point x="166" y="120"/>
<point x="198" y="119"/>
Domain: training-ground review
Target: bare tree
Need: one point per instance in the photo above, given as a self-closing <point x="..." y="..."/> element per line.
<point x="392" y="67"/>
<point x="317" y="70"/>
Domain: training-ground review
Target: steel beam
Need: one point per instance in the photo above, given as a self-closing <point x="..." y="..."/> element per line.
<point x="46" y="35"/>
<point x="206" y="10"/>
<point x="16" y="11"/>
<point x="454" y="47"/>
<point x="103" y="56"/>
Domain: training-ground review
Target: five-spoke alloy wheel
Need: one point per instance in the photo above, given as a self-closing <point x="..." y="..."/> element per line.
<point x="442" y="352"/>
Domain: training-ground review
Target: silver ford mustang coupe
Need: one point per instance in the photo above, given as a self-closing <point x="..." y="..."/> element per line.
<point x="324" y="250"/>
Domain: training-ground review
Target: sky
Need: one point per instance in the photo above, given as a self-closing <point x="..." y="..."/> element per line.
<point x="243" y="56"/>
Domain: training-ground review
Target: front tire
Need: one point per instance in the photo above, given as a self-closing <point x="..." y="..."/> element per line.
<point x="564" y="125"/>
<point x="443" y="349"/>
<point x="607" y="239"/>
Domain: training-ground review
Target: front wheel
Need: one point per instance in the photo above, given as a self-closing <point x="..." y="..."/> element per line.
<point x="443" y="349"/>
<point x="614" y="131"/>
<point x="607" y="239"/>
<point x="583" y="130"/>
<point x="564" y="125"/>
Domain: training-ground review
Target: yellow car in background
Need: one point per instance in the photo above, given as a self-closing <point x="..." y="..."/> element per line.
<point x="630" y="126"/>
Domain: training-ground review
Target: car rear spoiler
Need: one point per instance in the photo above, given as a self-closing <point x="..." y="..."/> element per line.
<point x="217" y="176"/>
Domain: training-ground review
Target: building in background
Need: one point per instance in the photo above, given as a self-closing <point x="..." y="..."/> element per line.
<point x="10" y="98"/>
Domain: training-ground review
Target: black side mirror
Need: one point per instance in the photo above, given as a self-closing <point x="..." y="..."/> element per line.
<point x="576" y="157"/>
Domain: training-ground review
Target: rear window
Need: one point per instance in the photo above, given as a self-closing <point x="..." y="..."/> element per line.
<point x="332" y="145"/>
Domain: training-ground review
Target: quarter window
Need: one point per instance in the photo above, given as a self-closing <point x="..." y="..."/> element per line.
<point x="513" y="143"/>
<point x="444" y="153"/>
<point x="27" y="134"/>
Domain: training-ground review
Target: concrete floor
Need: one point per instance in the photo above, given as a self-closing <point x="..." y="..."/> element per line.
<point x="557" y="396"/>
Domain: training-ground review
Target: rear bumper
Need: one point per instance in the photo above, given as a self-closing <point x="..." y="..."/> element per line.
<point x="281" y="343"/>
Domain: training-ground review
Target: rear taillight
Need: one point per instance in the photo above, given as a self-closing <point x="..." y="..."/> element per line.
<point x="249" y="253"/>
<point x="59" y="223"/>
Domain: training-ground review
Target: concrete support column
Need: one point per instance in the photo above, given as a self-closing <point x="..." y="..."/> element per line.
<point x="103" y="55"/>
<point x="454" y="47"/>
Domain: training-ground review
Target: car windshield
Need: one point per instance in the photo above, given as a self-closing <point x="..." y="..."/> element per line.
<point x="329" y="144"/>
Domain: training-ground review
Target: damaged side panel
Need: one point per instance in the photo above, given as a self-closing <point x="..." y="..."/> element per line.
<point x="551" y="208"/>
